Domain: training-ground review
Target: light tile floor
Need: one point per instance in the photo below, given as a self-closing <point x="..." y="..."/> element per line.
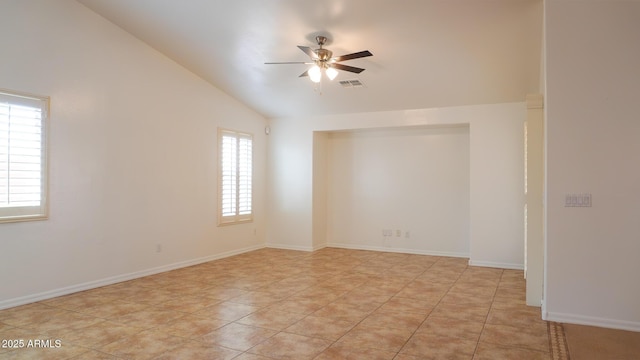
<point x="280" y="304"/>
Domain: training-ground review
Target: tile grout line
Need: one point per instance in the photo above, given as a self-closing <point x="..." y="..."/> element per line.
<point x="493" y="298"/>
<point x="440" y="300"/>
<point x="361" y="320"/>
<point x="283" y="330"/>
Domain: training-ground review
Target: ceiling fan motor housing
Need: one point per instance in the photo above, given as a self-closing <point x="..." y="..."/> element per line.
<point x="324" y="54"/>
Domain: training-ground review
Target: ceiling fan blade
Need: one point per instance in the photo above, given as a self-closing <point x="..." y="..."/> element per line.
<point x="309" y="51"/>
<point x="357" y="55"/>
<point x="348" y="68"/>
<point x="306" y="73"/>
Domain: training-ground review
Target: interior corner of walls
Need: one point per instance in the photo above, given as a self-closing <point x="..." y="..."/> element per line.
<point x="319" y="247"/>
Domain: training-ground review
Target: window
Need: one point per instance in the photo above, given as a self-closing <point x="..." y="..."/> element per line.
<point x="23" y="166"/>
<point x="235" y="177"/>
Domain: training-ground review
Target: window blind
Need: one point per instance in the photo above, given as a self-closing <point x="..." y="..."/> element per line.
<point x="22" y="157"/>
<point x="235" y="193"/>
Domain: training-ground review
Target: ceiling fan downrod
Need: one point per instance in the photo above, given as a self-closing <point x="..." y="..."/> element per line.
<point x="324" y="55"/>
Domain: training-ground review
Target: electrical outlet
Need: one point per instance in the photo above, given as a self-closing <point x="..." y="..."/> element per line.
<point x="387" y="232"/>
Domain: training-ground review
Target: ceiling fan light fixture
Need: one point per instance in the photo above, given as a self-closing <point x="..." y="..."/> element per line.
<point x="315" y="74"/>
<point x="331" y="73"/>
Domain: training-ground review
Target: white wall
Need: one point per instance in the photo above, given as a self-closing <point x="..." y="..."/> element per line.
<point x="497" y="191"/>
<point x="320" y="189"/>
<point x="592" y="77"/>
<point x="289" y="221"/>
<point x="415" y="180"/>
<point x="534" y="262"/>
<point x="497" y="144"/>
<point x="132" y="155"/>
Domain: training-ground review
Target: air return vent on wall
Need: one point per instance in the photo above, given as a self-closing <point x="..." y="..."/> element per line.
<point x="351" y="83"/>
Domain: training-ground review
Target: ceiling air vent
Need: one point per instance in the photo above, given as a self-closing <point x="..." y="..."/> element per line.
<point x="355" y="83"/>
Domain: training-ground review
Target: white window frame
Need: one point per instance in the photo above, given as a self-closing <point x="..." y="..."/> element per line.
<point x="12" y="211"/>
<point x="238" y="208"/>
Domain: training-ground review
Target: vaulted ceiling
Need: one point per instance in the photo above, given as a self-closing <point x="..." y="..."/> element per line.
<point x="427" y="53"/>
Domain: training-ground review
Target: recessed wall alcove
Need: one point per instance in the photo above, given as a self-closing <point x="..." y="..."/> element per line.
<point x="402" y="189"/>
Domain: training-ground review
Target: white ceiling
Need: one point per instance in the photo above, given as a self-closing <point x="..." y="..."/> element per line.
<point x="427" y="53"/>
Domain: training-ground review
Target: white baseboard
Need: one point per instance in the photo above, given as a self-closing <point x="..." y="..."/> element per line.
<point x="398" y="250"/>
<point x="5" y="304"/>
<point x="496" y="265"/>
<point x="318" y="247"/>
<point x="290" y="247"/>
<point x="591" y="321"/>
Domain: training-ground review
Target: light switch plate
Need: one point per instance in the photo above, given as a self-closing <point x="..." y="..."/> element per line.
<point x="577" y="200"/>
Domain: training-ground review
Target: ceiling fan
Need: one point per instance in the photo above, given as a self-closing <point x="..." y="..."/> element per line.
<point x="323" y="62"/>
